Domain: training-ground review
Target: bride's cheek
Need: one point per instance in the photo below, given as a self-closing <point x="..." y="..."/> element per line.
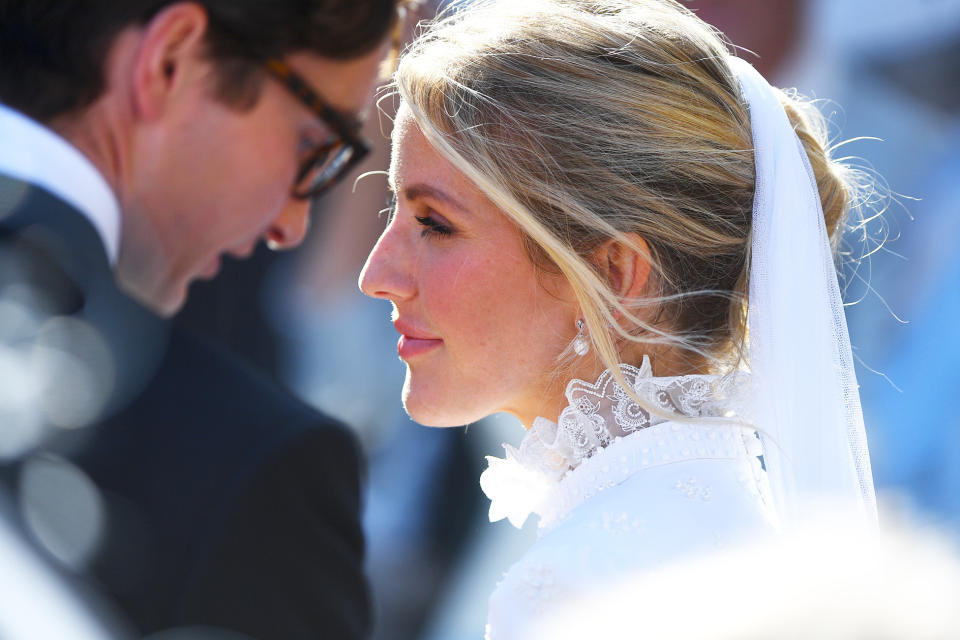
<point x="455" y="277"/>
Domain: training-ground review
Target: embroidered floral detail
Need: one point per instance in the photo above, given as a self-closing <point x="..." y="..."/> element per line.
<point x="538" y="585"/>
<point x="690" y="489"/>
<point x="620" y="524"/>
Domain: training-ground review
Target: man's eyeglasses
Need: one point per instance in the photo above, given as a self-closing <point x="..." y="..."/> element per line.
<point x="331" y="161"/>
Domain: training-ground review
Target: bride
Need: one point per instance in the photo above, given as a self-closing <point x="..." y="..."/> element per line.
<point x="610" y="227"/>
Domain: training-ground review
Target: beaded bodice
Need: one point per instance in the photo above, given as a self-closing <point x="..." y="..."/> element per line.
<point x="693" y="416"/>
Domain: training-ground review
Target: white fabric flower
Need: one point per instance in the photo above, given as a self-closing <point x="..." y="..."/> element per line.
<point x="515" y="490"/>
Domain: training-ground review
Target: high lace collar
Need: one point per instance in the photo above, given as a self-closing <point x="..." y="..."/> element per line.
<point x="597" y="415"/>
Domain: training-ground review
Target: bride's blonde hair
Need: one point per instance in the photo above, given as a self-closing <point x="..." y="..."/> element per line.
<point x="585" y="121"/>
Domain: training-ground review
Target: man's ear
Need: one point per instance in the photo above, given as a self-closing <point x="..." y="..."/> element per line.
<point x="170" y="56"/>
<point x="625" y="264"/>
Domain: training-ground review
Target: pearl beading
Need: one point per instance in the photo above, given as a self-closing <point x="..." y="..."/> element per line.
<point x="658" y="445"/>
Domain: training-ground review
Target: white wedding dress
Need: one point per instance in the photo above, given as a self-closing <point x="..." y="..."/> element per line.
<point x="620" y="491"/>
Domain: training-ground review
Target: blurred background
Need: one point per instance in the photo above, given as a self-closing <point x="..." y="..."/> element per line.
<point x="891" y="72"/>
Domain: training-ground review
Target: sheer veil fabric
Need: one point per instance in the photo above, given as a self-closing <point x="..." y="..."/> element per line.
<point x="804" y="389"/>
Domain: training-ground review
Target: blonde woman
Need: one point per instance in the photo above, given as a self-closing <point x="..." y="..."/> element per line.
<point x="611" y="228"/>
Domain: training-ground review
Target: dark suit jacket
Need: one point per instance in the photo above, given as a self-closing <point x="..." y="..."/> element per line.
<point x="229" y="503"/>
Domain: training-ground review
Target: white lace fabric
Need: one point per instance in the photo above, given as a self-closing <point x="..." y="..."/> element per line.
<point x="708" y="409"/>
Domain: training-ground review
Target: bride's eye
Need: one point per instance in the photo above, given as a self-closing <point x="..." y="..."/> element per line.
<point x="432" y="227"/>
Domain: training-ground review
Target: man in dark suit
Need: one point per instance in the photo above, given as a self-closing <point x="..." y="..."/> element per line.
<point x="140" y="141"/>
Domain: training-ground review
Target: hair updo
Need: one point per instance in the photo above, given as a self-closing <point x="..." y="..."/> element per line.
<point x="585" y="121"/>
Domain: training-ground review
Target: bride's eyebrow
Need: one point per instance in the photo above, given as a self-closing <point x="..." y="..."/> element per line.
<point x="420" y="190"/>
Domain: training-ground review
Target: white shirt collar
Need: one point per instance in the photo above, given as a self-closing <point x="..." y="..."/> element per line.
<point x="33" y="153"/>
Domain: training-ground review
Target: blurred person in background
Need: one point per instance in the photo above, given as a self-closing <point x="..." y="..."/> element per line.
<point x="589" y="200"/>
<point x="141" y="142"/>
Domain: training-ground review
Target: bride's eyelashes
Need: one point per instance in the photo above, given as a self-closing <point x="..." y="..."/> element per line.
<point x="433" y="227"/>
<point x="431" y="222"/>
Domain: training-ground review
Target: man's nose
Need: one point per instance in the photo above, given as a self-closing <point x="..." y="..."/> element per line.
<point x="290" y="227"/>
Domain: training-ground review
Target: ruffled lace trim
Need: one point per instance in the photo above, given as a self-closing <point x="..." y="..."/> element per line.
<point x="596" y="415"/>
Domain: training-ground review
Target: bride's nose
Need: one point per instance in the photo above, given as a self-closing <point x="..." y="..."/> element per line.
<point x="385" y="274"/>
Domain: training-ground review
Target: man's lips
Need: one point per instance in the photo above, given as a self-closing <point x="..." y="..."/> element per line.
<point x="211" y="269"/>
<point x="414" y="341"/>
<point x="243" y="251"/>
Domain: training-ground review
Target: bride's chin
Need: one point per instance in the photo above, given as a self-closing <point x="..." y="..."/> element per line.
<point x="436" y="405"/>
<point x="432" y="418"/>
<point x="434" y="414"/>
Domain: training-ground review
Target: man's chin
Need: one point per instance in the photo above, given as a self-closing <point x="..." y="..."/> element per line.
<point x="168" y="306"/>
<point x="165" y="300"/>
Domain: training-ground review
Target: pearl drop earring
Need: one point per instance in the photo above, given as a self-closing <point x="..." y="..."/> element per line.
<point x="581" y="345"/>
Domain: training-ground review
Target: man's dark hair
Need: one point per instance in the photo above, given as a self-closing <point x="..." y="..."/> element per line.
<point x="53" y="52"/>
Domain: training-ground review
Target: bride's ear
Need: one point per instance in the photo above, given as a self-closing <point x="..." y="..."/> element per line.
<point x="625" y="264"/>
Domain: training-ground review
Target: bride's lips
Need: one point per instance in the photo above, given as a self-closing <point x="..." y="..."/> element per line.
<point x="414" y="341"/>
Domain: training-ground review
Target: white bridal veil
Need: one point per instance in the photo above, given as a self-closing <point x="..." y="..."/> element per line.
<point x="807" y="404"/>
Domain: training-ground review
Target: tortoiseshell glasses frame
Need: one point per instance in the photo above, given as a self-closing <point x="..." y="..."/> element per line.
<point x="331" y="161"/>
